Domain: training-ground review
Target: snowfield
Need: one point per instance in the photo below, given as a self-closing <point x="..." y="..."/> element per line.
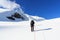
<point x="19" y="29"/>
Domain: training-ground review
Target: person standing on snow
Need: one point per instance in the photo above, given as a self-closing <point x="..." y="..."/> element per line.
<point x="32" y="25"/>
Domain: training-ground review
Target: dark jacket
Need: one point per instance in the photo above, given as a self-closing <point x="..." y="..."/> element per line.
<point x="32" y="23"/>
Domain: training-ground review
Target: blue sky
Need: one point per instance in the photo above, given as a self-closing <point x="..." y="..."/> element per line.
<point x="44" y="8"/>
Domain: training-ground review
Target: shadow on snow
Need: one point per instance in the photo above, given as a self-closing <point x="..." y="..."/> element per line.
<point x="42" y="29"/>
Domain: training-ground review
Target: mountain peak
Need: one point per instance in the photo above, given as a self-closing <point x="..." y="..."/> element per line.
<point x="11" y="11"/>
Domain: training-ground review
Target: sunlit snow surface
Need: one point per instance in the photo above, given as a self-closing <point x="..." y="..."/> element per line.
<point x="13" y="30"/>
<point x="21" y="30"/>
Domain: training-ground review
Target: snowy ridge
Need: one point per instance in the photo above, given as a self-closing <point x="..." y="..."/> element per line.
<point x="8" y="8"/>
<point x="6" y="12"/>
<point x="27" y="17"/>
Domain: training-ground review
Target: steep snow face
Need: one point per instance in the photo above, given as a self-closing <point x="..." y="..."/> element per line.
<point x="8" y="8"/>
<point x="4" y="15"/>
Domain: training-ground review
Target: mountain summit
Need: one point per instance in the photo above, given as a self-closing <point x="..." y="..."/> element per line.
<point x="11" y="11"/>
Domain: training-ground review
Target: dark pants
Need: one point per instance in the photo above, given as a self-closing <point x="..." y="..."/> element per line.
<point x="32" y="28"/>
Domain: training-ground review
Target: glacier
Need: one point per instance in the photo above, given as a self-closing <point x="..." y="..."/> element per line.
<point x="19" y="29"/>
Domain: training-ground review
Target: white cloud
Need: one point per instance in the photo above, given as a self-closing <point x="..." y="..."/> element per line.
<point x="8" y="4"/>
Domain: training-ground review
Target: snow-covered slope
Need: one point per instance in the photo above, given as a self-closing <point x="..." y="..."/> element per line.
<point x="19" y="29"/>
<point x="8" y="8"/>
<point x="5" y="13"/>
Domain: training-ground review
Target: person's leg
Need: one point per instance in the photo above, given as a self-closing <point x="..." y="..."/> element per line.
<point x="32" y="28"/>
